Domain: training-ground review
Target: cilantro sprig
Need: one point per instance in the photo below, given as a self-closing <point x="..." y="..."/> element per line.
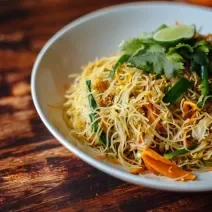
<point x="158" y="61"/>
<point x="144" y="52"/>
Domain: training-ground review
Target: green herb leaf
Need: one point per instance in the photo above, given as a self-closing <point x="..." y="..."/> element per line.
<point x="131" y="45"/>
<point x="177" y="90"/>
<point x="88" y="85"/>
<point x="166" y="89"/>
<point x="173" y="65"/>
<point x="91" y="99"/>
<point x="203" y="46"/>
<point x="156" y="49"/>
<point x="203" y="100"/>
<point x="93" y="106"/>
<point x="171" y="155"/>
<point x="176" y="57"/>
<point x="200" y="58"/>
<point x="200" y="64"/>
<point x="94" y="121"/>
<point x="182" y="48"/>
<point x="120" y="61"/>
<point x="156" y="58"/>
<point x="204" y="80"/>
<point x="148" y="59"/>
<point x="103" y="138"/>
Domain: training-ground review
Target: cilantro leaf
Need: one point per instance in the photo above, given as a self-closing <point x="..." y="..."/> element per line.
<point x="175" y="57"/>
<point x="203" y="46"/>
<point x="150" y="56"/>
<point x="199" y="58"/>
<point x="181" y="48"/>
<point x="120" y="61"/>
<point x="131" y="45"/>
<point x="158" y="60"/>
<point x="173" y="64"/>
<point x="156" y="49"/>
<point x="178" y="61"/>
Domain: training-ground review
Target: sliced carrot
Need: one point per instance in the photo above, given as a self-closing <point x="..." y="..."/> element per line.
<point x="113" y="160"/>
<point x="189" y="109"/>
<point x="102" y="86"/>
<point x="137" y="170"/>
<point x="194" y="115"/>
<point x="155" y="163"/>
<point x="187" y="105"/>
<point x="151" y="116"/>
<point x="151" y="153"/>
<point x="149" y="167"/>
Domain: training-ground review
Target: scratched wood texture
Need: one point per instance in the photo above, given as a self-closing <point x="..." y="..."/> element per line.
<point x="36" y="172"/>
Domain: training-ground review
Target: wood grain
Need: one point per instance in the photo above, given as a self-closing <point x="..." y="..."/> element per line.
<point x="36" y="172"/>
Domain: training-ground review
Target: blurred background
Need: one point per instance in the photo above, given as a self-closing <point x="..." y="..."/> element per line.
<point x="34" y="21"/>
<point x="200" y="2"/>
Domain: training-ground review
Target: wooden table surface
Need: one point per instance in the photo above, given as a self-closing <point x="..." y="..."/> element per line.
<point x="36" y="172"/>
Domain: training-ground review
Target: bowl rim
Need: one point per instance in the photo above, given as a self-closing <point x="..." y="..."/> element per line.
<point x="120" y="174"/>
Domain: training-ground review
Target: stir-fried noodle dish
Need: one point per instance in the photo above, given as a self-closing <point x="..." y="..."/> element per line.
<point x="148" y="108"/>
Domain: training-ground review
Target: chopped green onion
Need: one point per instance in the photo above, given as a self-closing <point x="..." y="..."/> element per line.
<point x="94" y="121"/>
<point x="93" y="115"/>
<point x="91" y="99"/>
<point x="88" y="85"/>
<point x="166" y="89"/>
<point x="177" y="90"/>
<point x="207" y="162"/>
<point x="205" y="87"/>
<point x="202" y="100"/>
<point x="204" y="80"/>
<point x="93" y="106"/>
<point x="120" y="61"/>
<point x="103" y="137"/>
<point x="179" y="152"/>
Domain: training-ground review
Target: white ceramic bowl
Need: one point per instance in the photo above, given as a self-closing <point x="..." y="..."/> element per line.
<point x="95" y="35"/>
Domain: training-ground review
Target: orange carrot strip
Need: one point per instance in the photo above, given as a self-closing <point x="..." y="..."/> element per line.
<point x="137" y="170"/>
<point x="149" y="167"/>
<point x="187" y="104"/>
<point x="151" y="153"/>
<point x="189" y="108"/>
<point x="158" y="164"/>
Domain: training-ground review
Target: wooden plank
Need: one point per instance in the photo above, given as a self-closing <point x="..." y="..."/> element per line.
<point x="36" y="172"/>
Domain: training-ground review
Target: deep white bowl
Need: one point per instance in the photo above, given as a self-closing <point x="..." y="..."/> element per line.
<point x="95" y="35"/>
